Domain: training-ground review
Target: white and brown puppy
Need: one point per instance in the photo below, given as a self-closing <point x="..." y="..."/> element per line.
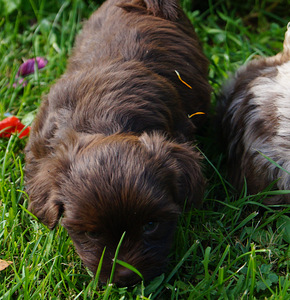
<point x="255" y="115"/>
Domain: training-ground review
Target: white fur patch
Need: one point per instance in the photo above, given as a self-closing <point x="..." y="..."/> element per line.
<point x="272" y="98"/>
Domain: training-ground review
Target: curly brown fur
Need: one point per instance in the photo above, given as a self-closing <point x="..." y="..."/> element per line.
<point x="109" y="150"/>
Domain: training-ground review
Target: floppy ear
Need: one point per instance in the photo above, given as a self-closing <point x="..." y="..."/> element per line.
<point x="48" y="162"/>
<point x="43" y="188"/>
<point x="184" y="161"/>
<point x="43" y="167"/>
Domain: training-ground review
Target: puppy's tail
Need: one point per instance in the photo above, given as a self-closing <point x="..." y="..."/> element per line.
<point x="166" y="9"/>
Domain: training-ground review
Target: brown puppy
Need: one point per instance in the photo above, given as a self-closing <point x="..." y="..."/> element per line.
<point x="255" y="112"/>
<point x="108" y="149"/>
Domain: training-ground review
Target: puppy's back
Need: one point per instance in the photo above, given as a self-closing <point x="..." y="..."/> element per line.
<point x="255" y="112"/>
<point x="156" y="34"/>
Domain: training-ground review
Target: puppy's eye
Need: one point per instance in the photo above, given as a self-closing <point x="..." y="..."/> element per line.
<point x="150" y="227"/>
<point x="93" y="235"/>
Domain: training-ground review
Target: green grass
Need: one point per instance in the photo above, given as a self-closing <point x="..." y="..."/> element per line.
<point x="232" y="248"/>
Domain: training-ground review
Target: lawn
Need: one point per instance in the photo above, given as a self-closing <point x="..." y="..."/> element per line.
<point x="232" y="248"/>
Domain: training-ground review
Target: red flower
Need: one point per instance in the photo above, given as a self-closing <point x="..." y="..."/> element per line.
<point x="12" y="125"/>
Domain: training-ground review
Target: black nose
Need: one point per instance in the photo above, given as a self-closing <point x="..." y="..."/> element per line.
<point x="125" y="277"/>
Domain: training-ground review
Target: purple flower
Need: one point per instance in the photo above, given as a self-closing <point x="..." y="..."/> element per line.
<point x="20" y="81"/>
<point x="28" y="67"/>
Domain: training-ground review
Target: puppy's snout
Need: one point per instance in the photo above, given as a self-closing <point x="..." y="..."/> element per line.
<point x="123" y="276"/>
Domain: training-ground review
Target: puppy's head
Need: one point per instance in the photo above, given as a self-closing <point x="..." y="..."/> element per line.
<point x="110" y="185"/>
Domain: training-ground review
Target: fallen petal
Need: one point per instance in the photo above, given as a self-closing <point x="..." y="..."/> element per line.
<point x="28" y="67"/>
<point x="4" y="264"/>
<point x="24" y="133"/>
<point x="11" y="125"/>
<point x="9" y="122"/>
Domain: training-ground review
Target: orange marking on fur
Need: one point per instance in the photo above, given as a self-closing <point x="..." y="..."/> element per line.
<point x="197" y="113"/>
<point x="178" y="75"/>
